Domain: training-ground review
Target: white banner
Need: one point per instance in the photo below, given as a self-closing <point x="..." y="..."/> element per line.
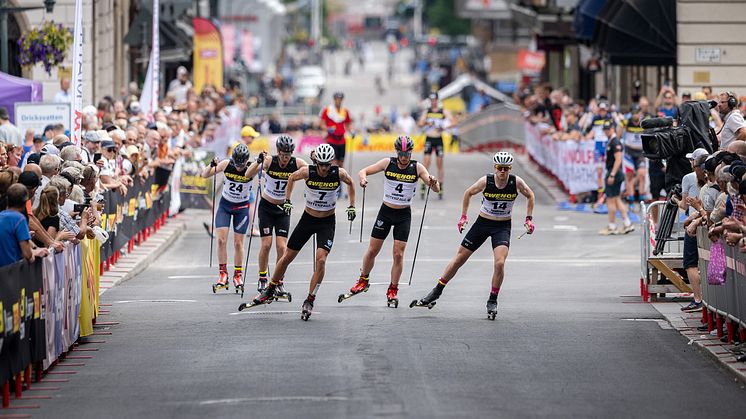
<point x="37" y="115"/>
<point x="77" y="75"/>
<point x="226" y="133"/>
<point x="151" y="87"/>
<point x="571" y="162"/>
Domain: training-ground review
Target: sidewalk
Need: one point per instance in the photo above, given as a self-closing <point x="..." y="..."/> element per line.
<point x="686" y="324"/>
<point x="131" y="264"/>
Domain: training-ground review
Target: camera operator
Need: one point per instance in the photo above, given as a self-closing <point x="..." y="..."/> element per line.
<point x="734" y="126"/>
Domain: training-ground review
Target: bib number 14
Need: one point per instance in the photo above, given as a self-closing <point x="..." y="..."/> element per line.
<point x="499" y="206"/>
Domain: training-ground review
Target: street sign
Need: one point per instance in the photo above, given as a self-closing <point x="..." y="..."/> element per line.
<point x="38" y="115"/>
<point x="707" y="55"/>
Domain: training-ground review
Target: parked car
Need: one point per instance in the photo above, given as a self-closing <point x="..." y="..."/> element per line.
<point x="309" y="82"/>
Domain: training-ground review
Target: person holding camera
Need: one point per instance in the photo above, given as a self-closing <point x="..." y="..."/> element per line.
<point x="613" y="180"/>
<point x="734" y="126"/>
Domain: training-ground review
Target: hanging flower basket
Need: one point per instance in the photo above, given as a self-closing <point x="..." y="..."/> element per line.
<point x="47" y="44"/>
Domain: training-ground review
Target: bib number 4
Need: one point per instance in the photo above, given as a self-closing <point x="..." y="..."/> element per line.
<point x="399" y="188"/>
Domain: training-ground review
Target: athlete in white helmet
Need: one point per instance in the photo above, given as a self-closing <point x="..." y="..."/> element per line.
<point x="399" y="187"/>
<point x="499" y="191"/>
<point x="322" y="182"/>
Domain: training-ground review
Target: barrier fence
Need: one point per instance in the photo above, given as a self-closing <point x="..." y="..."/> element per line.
<point x="725" y="302"/>
<point x="499" y="125"/>
<point x="47" y="305"/>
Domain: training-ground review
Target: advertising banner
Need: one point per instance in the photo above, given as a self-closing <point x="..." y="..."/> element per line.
<point x="196" y="191"/>
<point x="38" y="115"/>
<point x="208" y="54"/>
<point x="77" y="75"/>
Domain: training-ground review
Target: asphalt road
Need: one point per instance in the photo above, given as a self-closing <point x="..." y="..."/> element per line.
<point x="563" y="344"/>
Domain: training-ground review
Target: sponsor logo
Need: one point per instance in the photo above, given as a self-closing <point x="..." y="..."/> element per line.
<point x="237" y="178"/>
<point x="322" y="185"/>
<point x="402" y="177"/>
<point x="266" y="230"/>
<point x="501" y="196"/>
<point x="278" y="175"/>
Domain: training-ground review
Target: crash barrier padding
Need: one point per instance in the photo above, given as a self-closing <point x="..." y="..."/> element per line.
<point x="571" y="163"/>
<point x="498" y="126"/>
<point x="359" y="143"/>
<point x="131" y="218"/>
<point x="726" y="303"/>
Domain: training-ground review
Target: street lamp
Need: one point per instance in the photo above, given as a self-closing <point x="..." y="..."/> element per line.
<point x="48" y="6"/>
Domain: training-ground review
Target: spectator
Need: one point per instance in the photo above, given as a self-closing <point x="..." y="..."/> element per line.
<point x="596" y="132"/>
<point x="130" y="160"/>
<point x="50" y="166"/>
<point x="3" y="156"/>
<point x="91" y="143"/>
<point x="109" y="168"/>
<point x="48" y="215"/>
<point x="734" y="126"/>
<point x="66" y="220"/>
<point x="9" y="134"/>
<point x="179" y="87"/>
<point x="406" y="124"/>
<point x="14" y="229"/>
<point x="71" y="153"/>
<point x="690" y="188"/>
<point x="15" y="155"/>
<point x="635" y="164"/>
<point x="665" y="103"/>
<point x="31" y="181"/>
<point x="28" y="143"/>
<point x="614" y="178"/>
<point x="63" y="96"/>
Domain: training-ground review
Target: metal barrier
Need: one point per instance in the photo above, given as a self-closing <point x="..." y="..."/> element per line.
<point x="661" y="254"/>
<point x="724" y="304"/>
<point x="497" y="124"/>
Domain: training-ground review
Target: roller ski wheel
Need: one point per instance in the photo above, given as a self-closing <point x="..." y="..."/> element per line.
<point x="307" y="310"/>
<point x="418" y="303"/>
<point x="491" y="309"/>
<point x="393" y="302"/>
<point x="219" y="286"/>
<point x="282" y="295"/>
<point x="391" y="299"/>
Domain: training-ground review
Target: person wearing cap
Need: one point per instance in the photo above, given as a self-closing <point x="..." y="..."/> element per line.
<point x="666" y="103"/>
<point x="15" y="237"/>
<point x="686" y="96"/>
<point x="108" y="165"/>
<point x="336" y="121"/>
<point x="614" y="178"/>
<point x="50" y="166"/>
<point x="691" y="185"/>
<point x="434" y="121"/>
<point x="248" y="133"/>
<point x="9" y="133"/>
<point x="635" y="163"/>
<point x="49" y="132"/>
<point x="91" y="146"/>
<point x="595" y="131"/>
<point x="131" y="156"/>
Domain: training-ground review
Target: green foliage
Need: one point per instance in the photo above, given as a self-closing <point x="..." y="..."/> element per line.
<point x="441" y="14"/>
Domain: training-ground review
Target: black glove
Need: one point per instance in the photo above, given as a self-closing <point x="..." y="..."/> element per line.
<point x="214" y="162"/>
<point x="260" y="158"/>
<point x="351" y="213"/>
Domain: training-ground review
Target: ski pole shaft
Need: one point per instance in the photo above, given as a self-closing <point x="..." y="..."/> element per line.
<point x="253" y="217"/>
<point x="313" y="253"/>
<point x="419" y="234"/>
<point x="362" y="217"/>
<point x="212" y="225"/>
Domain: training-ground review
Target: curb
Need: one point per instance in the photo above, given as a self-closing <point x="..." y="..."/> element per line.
<point x="143" y="255"/>
<point x="686" y="324"/>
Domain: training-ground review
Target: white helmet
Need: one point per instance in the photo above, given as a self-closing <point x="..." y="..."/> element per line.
<point x="503" y="158"/>
<point x="324" y="153"/>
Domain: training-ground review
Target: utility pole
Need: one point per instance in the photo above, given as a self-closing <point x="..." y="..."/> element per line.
<point x="417" y="19"/>
<point x="316" y="22"/>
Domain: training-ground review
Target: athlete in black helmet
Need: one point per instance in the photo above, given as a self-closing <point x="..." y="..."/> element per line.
<point x="272" y="217"/>
<point x="234" y="205"/>
<point x="400" y="184"/>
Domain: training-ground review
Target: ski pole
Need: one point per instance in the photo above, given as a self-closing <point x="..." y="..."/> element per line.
<point x="212" y="227"/>
<point x="362" y="217"/>
<point x="427" y="196"/>
<point x="313" y="253"/>
<point x="253" y="218"/>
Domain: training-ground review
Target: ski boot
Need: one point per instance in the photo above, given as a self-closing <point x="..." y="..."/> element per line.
<point x="492" y="307"/>
<point x="391" y="298"/>
<point x="362" y="285"/>
<point x="307" y="308"/>
<point x="238" y="282"/>
<point x="261" y="284"/>
<point x="281" y="293"/>
<point x="222" y="282"/>
<point x="429" y="300"/>
<point x="267" y="296"/>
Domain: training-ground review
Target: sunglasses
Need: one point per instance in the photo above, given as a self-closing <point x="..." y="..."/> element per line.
<point x="503" y="168"/>
<point x="111" y="150"/>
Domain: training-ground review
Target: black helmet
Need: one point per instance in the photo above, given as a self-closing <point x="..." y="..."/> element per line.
<point x="285" y="143"/>
<point x="339" y="95"/>
<point x="240" y="156"/>
<point x="403" y="144"/>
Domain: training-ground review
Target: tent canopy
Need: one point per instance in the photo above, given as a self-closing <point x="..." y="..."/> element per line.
<point x="455" y="87"/>
<point x="16" y="89"/>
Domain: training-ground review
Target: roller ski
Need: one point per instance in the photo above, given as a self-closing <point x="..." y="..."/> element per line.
<point x="391" y="298"/>
<point x="282" y="294"/>
<point x="361" y="286"/>
<point x="222" y="282"/>
<point x="429" y="300"/>
<point x="492" y="308"/>
<point x="307" y="308"/>
<point x="238" y="282"/>
<point x="267" y="296"/>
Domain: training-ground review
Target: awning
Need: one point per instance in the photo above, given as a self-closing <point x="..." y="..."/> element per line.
<point x="638" y="32"/>
<point x="176" y="40"/>
<point x="455" y="87"/>
<point x="586" y="13"/>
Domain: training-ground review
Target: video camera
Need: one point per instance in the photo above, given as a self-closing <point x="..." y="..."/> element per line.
<point x="661" y="140"/>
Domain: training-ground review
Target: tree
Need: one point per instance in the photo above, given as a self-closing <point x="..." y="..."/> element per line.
<point x="441" y="14"/>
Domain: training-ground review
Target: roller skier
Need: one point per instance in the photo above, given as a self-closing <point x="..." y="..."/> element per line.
<point x="323" y="180"/>
<point x="400" y="184"/>
<point x="233" y="207"/>
<point x="434" y="121"/>
<point x="272" y="216"/>
<point x="499" y="190"/>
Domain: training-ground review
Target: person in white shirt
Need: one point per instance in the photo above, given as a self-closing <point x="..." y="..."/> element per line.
<point x="405" y="124"/>
<point x="9" y="133"/>
<point x="63" y="96"/>
<point x="179" y="87"/>
<point x="734" y="126"/>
